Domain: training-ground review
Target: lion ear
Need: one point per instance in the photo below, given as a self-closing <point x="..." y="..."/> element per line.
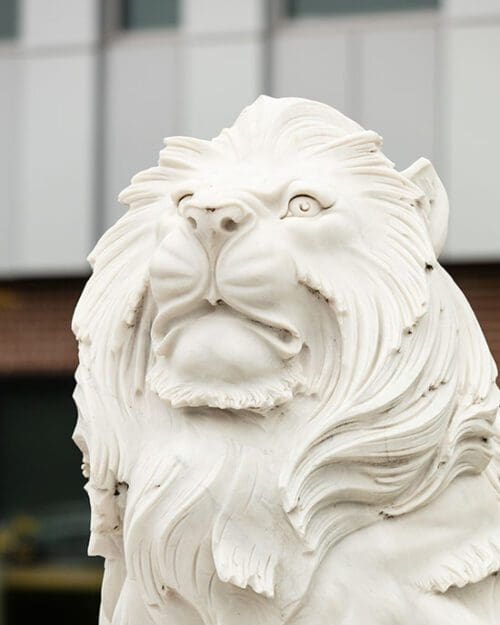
<point x="434" y="203"/>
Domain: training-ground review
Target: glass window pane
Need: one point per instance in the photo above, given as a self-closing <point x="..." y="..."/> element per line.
<point x="139" y="14"/>
<point x="37" y="418"/>
<point x="8" y="19"/>
<point x="341" y="7"/>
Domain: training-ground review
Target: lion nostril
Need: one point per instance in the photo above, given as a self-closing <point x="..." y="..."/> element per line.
<point x="228" y="224"/>
<point x="192" y="222"/>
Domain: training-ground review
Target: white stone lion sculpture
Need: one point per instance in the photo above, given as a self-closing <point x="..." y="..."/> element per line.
<point x="286" y="406"/>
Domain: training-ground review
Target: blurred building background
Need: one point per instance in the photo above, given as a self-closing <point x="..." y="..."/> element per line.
<point x="89" y="88"/>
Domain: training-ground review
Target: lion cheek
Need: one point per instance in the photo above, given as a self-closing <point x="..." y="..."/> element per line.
<point x="337" y="229"/>
<point x="179" y="264"/>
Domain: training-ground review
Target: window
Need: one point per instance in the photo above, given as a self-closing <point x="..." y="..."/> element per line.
<point x="39" y="463"/>
<point x="299" y="8"/>
<point x="141" y="14"/>
<point x="8" y="19"/>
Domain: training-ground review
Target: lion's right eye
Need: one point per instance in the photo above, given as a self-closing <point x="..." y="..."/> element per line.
<point x="184" y="199"/>
<point x="303" y="206"/>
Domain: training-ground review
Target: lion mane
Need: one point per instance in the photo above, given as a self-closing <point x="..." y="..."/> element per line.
<point x="410" y="400"/>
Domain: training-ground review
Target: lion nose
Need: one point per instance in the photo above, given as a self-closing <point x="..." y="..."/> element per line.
<point x="214" y="225"/>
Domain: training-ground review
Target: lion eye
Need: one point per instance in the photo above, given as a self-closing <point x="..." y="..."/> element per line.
<point x="303" y="206"/>
<point x="184" y="198"/>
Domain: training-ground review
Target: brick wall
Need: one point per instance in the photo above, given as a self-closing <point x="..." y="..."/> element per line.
<point x="35" y="334"/>
<point x="481" y="285"/>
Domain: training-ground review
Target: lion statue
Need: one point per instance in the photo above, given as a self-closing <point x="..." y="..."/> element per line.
<point x="287" y="409"/>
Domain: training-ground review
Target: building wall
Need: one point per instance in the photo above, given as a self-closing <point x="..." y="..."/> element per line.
<point x="47" y="107"/>
<point x="85" y="104"/>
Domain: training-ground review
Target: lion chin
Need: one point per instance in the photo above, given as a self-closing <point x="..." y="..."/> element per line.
<point x="227" y="361"/>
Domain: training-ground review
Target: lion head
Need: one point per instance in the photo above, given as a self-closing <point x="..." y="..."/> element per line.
<point x="285" y="269"/>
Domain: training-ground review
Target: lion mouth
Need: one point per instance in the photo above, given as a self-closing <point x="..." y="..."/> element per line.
<point x="286" y="343"/>
<point x="218" y="357"/>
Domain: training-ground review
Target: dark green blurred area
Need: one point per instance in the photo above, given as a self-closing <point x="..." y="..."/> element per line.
<point x="39" y="463"/>
<point x="138" y="14"/>
<point x="296" y="8"/>
<point x="44" y="512"/>
<point x="8" y="19"/>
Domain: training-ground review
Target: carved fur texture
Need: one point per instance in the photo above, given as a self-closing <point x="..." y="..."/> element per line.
<point x="271" y="360"/>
